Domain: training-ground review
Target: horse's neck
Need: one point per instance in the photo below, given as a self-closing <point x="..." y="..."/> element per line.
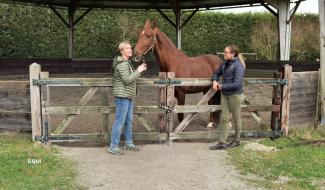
<point x="165" y="51"/>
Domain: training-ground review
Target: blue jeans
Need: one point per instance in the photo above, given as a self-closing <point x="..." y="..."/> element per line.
<point x="123" y="118"/>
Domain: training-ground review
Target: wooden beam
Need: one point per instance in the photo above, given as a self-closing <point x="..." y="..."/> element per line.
<point x="35" y="100"/>
<point x="76" y="110"/>
<point x="105" y="102"/>
<point x="144" y="122"/>
<point x="285" y="107"/>
<point x="321" y="4"/>
<point x="152" y="136"/>
<point x="213" y="108"/>
<point x="162" y="100"/>
<point x="14" y="85"/>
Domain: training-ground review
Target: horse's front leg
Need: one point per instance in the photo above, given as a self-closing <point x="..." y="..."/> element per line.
<point x="214" y="116"/>
<point x="180" y="96"/>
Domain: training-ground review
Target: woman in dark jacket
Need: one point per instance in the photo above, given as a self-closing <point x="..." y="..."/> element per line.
<point x="232" y="72"/>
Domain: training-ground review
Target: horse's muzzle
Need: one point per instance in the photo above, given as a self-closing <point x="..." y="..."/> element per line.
<point x="137" y="57"/>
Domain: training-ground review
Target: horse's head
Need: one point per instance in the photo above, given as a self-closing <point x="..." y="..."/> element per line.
<point x="146" y="41"/>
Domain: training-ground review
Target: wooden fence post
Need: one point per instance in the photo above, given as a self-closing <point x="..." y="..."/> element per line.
<point x="285" y="108"/>
<point x="35" y="100"/>
<point x="162" y="101"/>
<point x="276" y="100"/>
<point x="170" y="101"/>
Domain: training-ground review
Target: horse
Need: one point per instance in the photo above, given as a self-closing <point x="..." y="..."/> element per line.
<point x="171" y="59"/>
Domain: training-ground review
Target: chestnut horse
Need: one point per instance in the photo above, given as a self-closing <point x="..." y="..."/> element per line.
<point x="173" y="60"/>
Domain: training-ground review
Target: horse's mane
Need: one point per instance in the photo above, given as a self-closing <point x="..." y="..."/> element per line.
<point x="160" y="33"/>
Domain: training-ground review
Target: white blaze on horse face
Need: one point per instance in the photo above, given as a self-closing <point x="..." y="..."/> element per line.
<point x="142" y="32"/>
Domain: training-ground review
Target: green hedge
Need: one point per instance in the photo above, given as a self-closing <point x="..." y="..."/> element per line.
<point x="36" y="32"/>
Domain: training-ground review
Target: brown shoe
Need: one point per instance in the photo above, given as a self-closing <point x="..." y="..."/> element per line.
<point x="218" y="146"/>
<point x="233" y="143"/>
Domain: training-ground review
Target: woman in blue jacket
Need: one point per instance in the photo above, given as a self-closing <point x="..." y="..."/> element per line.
<point x="232" y="73"/>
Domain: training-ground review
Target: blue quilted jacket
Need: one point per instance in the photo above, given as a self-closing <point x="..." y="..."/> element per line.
<point x="233" y="74"/>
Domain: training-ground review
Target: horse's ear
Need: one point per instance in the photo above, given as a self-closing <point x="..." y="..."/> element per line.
<point x="147" y="26"/>
<point x="155" y="23"/>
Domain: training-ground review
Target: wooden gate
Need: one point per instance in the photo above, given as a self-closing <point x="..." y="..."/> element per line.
<point x="41" y="109"/>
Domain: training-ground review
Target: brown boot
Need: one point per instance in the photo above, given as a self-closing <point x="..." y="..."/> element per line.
<point x="218" y="146"/>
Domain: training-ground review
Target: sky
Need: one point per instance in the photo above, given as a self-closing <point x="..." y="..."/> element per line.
<point x="307" y="6"/>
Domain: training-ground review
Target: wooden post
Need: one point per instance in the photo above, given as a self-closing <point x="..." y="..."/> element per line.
<point x="35" y="100"/>
<point x="276" y="100"/>
<point x="45" y="100"/>
<point x="285" y="108"/>
<point x="162" y="101"/>
<point x="105" y="116"/>
<point x="318" y="103"/>
<point x="321" y="5"/>
<point x="170" y="101"/>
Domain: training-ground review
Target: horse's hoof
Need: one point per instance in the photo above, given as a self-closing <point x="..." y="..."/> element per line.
<point x="210" y="125"/>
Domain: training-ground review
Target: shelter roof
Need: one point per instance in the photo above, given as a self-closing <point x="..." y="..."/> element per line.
<point x="142" y="4"/>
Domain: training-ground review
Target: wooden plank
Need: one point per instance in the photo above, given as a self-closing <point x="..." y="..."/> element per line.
<point x="35" y="99"/>
<point x="304" y="100"/>
<point x="300" y="107"/>
<point x="301" y="85"/>
<point x="91" y="82"/>
<point x="45" y="102"/>
<point x="307" y="93"/>
<point x="162" y="100"/>
<point x="214" y="135"/>
<point x="107" y="82"/>
<point x="303" y="111"/>
<point x="146" y="81"/>
<point x="318" y="103"/>
<point x="149" y="136"/>
<point x="82" y="102"/>
<point x="14" y="85"/>
<point x="191" y="116"/>
<point x="276" y="100"/>
<point x="285" y="109"/>
<point x="76" y="110"/>
<point x="15" y="113"/>
<point x="105" y="116"/>
<point x="143" y="121"/>
<point x="213" y="108"/>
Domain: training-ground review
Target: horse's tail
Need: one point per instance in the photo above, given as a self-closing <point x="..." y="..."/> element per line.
<point x="242" y="60"/>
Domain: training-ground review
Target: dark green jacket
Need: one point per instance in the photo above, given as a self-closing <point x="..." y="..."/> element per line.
<point x="124" y="78"/>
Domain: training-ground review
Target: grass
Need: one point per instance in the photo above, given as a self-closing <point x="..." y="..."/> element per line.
<point x="28" y="165"/>
<point x="299" y="162"/>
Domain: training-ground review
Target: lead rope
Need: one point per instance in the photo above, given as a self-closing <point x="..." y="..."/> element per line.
<point x="169" y="111"/>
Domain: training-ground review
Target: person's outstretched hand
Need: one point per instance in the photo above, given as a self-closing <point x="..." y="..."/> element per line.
<point x="142" y="67"/>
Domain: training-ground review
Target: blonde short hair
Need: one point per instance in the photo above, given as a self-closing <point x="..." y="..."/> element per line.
<point x="122" y="45"/>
